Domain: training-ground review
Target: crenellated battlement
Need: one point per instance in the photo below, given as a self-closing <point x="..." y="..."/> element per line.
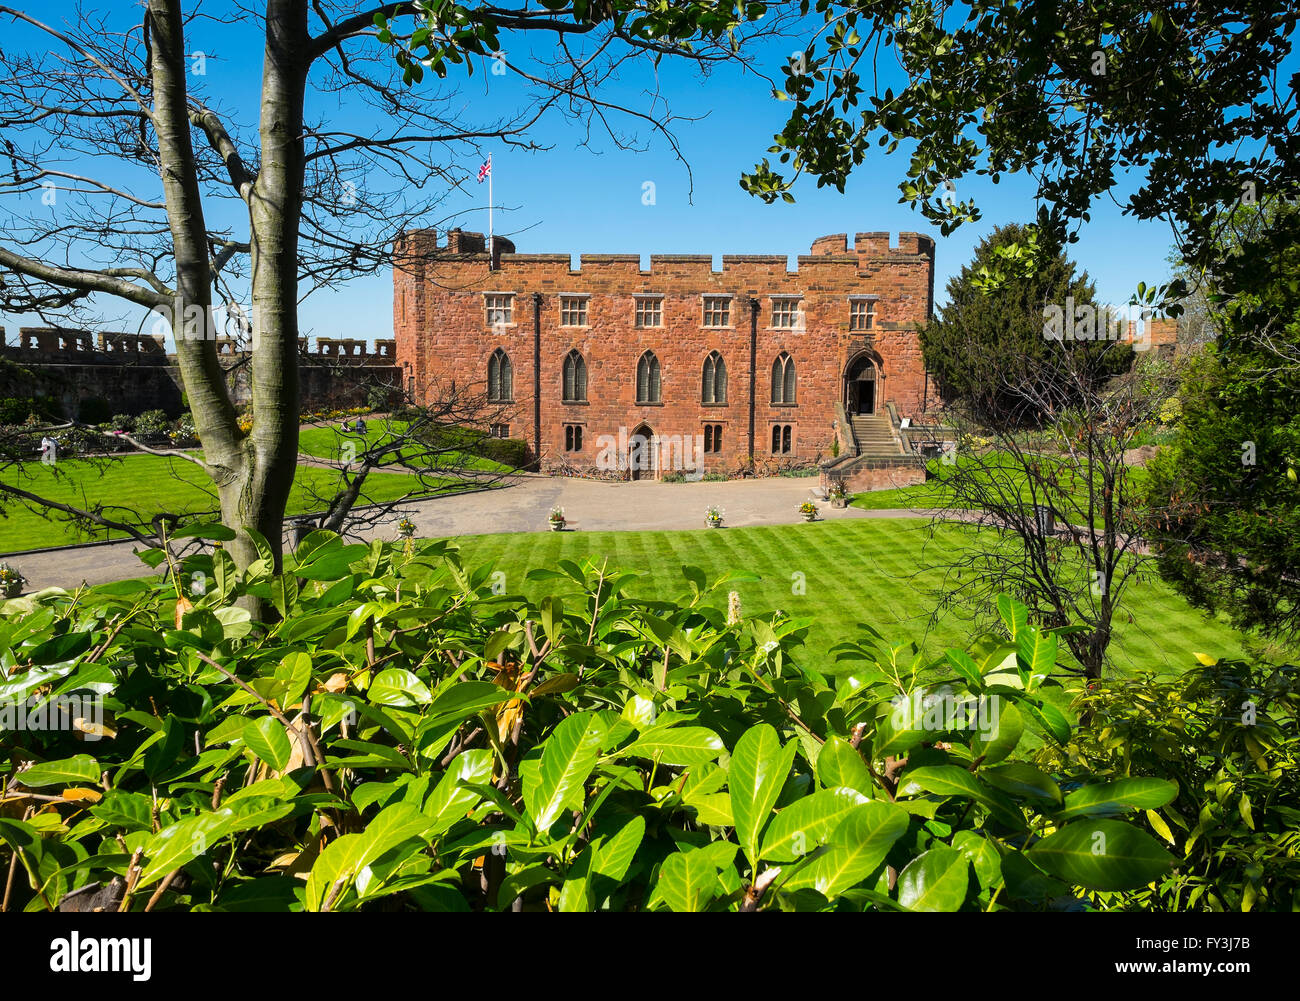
<point x="71" y="345"/>
<point x="469" y="250"/>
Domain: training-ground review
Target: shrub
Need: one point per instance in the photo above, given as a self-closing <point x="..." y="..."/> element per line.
<point x="14" y="410"/>
<point x="512" y="452"/>
<point x="122" y="422"/>
<point x="152" y="420"/>
<point x="1225" y="732"/>
<point x="592" y="750"/>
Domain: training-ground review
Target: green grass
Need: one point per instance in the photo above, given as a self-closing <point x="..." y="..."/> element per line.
<point x="1004" y="470"/>
<point x="327" y="443"/>
<point x="148" y="485"/>
<point x="853" y="572"/>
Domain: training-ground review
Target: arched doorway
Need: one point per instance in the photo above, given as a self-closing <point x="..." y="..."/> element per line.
<point x="640" y="453"/>
<point x="860" y="386"/>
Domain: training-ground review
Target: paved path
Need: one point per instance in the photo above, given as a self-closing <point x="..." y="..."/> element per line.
<point x="524" y="506"/>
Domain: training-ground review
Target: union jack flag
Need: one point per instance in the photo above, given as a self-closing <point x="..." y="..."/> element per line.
<point x="485" y="170"/>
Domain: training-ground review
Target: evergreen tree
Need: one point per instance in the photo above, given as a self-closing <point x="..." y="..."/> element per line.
<point x="990" y="342"/>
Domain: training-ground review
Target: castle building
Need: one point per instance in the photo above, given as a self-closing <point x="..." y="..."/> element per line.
<point x="613" y="368"/>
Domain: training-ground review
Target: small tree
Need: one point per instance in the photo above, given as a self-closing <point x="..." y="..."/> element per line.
<point x="1058" y="510"/>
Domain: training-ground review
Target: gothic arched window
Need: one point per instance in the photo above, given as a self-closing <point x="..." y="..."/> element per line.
<point x="501" y="378"/>
<point x="575" y="378"/>
<point x="649" y="388"/>
<point x="715" y="379"/>
<point x="783" y="380"/>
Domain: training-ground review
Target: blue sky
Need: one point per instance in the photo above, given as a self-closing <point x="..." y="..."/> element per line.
<point x="572" y="199"/>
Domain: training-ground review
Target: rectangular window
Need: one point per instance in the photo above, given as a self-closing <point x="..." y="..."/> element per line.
<point x="713" y="438"/>
<point x="717" y="311"/>
<point x="649" y="311"/>
<point x="500" y="309"/>
<point x="499" y="430"/>
<point x="780" y="439"/>
<point x="573" y="310"/>
<point x="573" y="437"/>
<point x="862" y="314"/>
<point x="786" y="314"/>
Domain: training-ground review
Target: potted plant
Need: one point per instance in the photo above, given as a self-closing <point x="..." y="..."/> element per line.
<point x="809" y="511"/>
<point x="838" y="495"/>
<point x="713" y="516"/>
<point x="11" y="581"/>
<point x="557" y="519"/>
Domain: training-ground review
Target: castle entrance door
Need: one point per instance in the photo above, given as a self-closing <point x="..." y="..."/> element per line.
<point x="860" y="387"/>
<point x="641" y="453"/>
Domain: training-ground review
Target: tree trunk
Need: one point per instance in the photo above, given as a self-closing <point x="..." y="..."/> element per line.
<point x="259" y="501"/>
<point x="253" y="473"/>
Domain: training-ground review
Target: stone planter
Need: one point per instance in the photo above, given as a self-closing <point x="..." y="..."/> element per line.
<point x="840" y="502"/>
<point x="13" y="590"/>
<point x="557" y="526"/>
<point x="810" y="517"/>
<point x="714" y="522"/>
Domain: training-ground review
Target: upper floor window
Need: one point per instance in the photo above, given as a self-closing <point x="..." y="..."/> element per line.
<point x="575" y="377"/>
<point x="500" y="309"/>
<point x="717" y="311"/>
<point x="862" y="314"/>
<point x="783" y="381"/>
<point x="786" y="313"/>
<point x="573" y="310"/>
<point x="715" y="379"/>
<point x="501" y="378"/>
<point x="649" y="388"/>
<point x="649" y="311"/>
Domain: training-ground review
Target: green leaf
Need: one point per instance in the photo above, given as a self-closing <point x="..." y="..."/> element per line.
<point x="937" y="880"/>
<point x="759" y="767"/>
<point x="951" y="780"/>
<point x="345" y="856"/>
<point x="568" y="756"/>
<point x="1023" y="780"/>
<point x="688" y="881"/>
<point x="807" y="823"/>
<point x="1014" y="615"/>
<point x="841" y="765"/>
<point x="266" y="738"/>
<point x="1102" y="855"/>
<point x="1036" y="651"/>
<point x="856" y="849"/>
<point x="396" y="686"/>
<point x="450" y="800"/>
<point x="1114" y="798"/>
<point x="677" y="745"/>
<point x="1005" y="733"/>
<point x="68" y="771"/>
<point x="174" y="846"/>
<point x="465" y="698"/>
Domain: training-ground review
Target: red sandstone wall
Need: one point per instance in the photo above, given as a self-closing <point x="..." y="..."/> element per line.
<point x="442" y="336"/>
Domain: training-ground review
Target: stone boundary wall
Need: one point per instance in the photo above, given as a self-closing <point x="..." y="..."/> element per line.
<point x="131" y="373"/>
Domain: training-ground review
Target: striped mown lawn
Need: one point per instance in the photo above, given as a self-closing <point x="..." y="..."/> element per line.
<point x="852" y="572"/>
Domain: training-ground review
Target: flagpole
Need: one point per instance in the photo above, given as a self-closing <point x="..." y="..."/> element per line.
<point x="491" y="257"/>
